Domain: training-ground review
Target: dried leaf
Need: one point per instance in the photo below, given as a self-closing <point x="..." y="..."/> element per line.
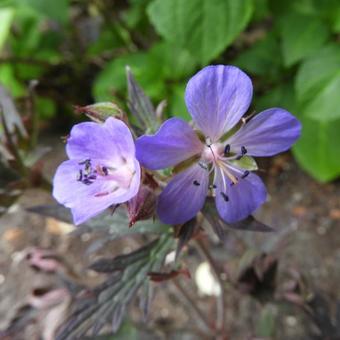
<point x="160" y="277"/>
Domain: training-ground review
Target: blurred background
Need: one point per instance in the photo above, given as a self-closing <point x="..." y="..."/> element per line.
<point x="55" y="55"/>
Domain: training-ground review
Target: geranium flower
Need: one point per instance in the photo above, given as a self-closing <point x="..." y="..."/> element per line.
<point x="211" y="159"/>
<point x="101" y="171"/>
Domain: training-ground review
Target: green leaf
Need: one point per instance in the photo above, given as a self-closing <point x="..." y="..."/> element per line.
<point x="317" y="151"/>
<point x="317" y="85"/>
<point x="56" y="10"/>
<point x="204" y="27"/>
<point x="316" y="71"/>
<point x="99" y="112"/>
<point x="265" y="327"/>
<point x="301" y="36"/>
<point x="7" y="77"/>
<point x="177" y="105"/>
<point x="6" y="18"/>
<point x="279" y="96"/>
<point x="259" y="60"/>
<point x="246" y="162"/>
<point x="163" y="62"/>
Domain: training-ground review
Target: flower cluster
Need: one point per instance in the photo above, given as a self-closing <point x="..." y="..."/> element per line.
<point x="210" y="159"/>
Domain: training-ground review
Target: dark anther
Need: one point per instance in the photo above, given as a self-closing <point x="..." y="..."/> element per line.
<point x="105" y="171"/>
<point x="213" y="186"/>
<point x="195" y="182"/>
<point x="227" y="149"/>
<point x="245" y="174"/>
<point x="86" y="162"/>
<point x="80" y="176"/>
<point x="225" y="197"/>
<point x="243" y="150"/>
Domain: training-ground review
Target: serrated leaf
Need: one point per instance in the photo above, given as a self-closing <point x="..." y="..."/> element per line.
<point x="111" y="298"/>
<point x="246" y="162"/>
<point x="204" y="27"/>
<point x="301" y="36"/>
<point x="116" y="225"/>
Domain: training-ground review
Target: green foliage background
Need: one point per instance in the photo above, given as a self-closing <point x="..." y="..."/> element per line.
<point x="78" y="50"/>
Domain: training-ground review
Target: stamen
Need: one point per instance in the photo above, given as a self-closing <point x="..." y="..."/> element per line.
<point x="225" y="197"/>
<point x="195" y="182"/>
<point x="212" y="186"/>
<point x="243" y="150"/>
<point x="227" y="150"/>
<point x="80" y="176"/>
<point x="87" y="161"/>
<point x="105" y="170"/>
<point x="224" y="169"/>
<point x="203" y="165"/>
<point x="245" y="174"/>
<point x="105" y="193"/>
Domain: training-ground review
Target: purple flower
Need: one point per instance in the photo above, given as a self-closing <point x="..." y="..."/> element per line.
<point x="213" y="159"/>
<point x="101" y="171"/>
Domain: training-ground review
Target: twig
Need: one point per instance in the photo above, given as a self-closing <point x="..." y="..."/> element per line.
<point x="192" y="304"/>
<point x="220" y="300"/>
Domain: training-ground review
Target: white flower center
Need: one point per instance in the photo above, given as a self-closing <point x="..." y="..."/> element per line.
<point x="211" y="153"/>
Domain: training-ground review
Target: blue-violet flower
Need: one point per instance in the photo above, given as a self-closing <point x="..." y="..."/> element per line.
<point x="101" y="171"/>
<point x="216" y="97"/>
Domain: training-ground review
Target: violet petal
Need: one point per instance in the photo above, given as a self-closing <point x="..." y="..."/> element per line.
<point x="268" y="133"/>
<point x="174" y="142"/>
<point x="184" y="196"/>
<point x="236" y="202"/>
<point x="217" y="97"/>
<point x="108" y="141"/>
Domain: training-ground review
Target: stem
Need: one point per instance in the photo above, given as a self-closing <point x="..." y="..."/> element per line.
<point x="220" y="300"/>
<point x="192" y="304"/>
<point x="33" y="114"/>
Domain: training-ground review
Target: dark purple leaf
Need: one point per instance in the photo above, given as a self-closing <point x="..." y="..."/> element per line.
<point x="185" y="233"/>
<point x="140" y="105"/>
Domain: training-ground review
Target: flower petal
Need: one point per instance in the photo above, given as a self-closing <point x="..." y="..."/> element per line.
<point x="238" y="201"/>
<point x="217" y="97"/>
<point x="268" y="133"/>
<point x="108" y="141"/>
<point x="88" y="200"/>
<point x="184" y="196"/>
<point x="174" y="142"/>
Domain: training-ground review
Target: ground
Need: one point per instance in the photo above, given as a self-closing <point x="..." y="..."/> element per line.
<point x="305" y="214"/>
